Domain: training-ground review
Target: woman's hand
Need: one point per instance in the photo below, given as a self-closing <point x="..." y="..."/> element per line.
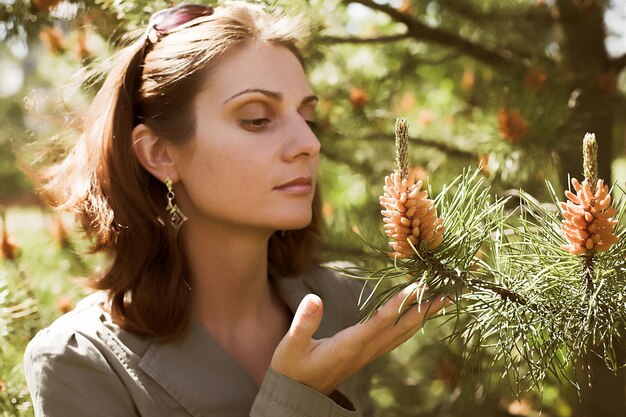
<point x="325" y="364"/>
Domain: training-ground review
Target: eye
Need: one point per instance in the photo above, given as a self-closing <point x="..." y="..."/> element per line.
<point x="254" y="125"/>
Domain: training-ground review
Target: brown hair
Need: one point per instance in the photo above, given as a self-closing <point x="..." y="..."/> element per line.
<point x="120" y="205"/>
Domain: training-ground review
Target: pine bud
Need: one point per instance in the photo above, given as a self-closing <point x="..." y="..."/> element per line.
<point x="8" y="248"/>
<point x="64" y="304"/>
<point x="588" y="224"/>
<point x="52" y="39"/>
<point x="409" y="215"/>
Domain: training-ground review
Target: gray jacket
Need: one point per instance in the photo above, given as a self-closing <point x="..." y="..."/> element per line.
<point x="84" y="365"/>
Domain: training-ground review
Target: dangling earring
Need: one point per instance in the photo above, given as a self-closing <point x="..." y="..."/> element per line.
<point x="177" y="217"/>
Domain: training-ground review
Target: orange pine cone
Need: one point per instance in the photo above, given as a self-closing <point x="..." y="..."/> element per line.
<point x="409" y="215"/>
<point x="588" y="223"/>
<point x="513" y="126"/>
<point x="358" y="98"/>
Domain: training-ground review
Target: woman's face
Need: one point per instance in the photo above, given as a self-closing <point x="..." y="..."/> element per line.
<point x="254" y="158"/>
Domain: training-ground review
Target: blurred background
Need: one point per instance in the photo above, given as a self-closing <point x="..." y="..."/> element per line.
<point x="511" y="86"/>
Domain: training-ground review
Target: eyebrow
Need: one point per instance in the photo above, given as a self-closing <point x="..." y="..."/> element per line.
<point x="274" y="95"/>
<point x="309" y="99"/>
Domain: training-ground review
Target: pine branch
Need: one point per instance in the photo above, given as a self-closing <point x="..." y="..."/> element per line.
<point x="359" y="40"/>
<point x="438" y="61"/>
<point x="473" y="283"/>
<point x="588" y="271"/>
<point x="499" y="59"/>
<point x="465" y="10"/>
<point x="430" y="143"/>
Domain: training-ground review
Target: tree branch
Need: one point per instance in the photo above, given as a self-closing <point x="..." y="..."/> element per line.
<point x="417" y="30"/>
<point x="430" y="143"/>
<point x="358" y="40"/>
<point x="387" y="39"/>
<point x="365" y="169"/>
<point x="362" y="169"/>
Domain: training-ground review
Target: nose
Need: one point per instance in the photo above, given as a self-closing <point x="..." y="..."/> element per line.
<point x="302" y="143"/>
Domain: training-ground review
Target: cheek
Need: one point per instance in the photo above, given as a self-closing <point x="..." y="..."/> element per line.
<point x="226" y="174"/>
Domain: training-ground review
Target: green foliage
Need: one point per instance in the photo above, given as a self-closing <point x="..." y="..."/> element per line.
<point x="18" y="323"/>
<point x="36" y="287"/>
<point x="570" y="304"/>
<point x="524" y="305"/>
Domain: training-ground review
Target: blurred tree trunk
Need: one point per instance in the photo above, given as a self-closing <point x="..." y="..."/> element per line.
<point x="592" y="86"/>
<point x="604" y="392"/>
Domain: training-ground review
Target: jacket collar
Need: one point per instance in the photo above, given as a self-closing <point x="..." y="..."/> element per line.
<point x="204" y="378"/>
<point x="197" y="372"/>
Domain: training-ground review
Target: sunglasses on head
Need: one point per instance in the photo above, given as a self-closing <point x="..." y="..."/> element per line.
<point x="164" y="21"/>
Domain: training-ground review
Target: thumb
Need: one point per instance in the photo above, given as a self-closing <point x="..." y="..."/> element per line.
<point x="305" y="323"/>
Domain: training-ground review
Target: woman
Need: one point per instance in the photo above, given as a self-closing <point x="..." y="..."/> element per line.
<point x="196" y="174"/>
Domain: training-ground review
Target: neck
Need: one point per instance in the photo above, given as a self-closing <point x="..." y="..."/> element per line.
<point x="228" y="274"/>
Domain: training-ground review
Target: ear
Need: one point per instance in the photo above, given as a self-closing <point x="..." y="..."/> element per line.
<point x="154" y="154"/>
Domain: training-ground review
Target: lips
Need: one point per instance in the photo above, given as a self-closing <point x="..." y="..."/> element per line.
<point x="300" y="185"/>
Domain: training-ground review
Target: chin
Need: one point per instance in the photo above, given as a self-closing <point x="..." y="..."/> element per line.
<point x="295" y="222"/>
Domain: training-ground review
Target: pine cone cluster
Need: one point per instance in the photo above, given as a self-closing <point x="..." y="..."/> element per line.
<point x="588" y="223"/>
<point x="409" y="215"/>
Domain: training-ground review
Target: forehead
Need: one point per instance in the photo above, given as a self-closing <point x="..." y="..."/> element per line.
<point x="258" y="65"/>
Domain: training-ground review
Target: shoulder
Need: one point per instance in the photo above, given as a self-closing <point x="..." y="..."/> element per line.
<point x="74" y="364"/>
<point x="62" y="334"/>
<point x="69" y="344"/>
<point x="86" y="336"/>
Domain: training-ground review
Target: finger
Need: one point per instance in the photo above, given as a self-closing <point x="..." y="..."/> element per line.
<point x="431" y="307"/>
<point x="395" y="322"/>
<point x="305" y="323"/>
<point x="415" y="318"/>
<point x="388" y="314"/>
<point x="419" y="314"/>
